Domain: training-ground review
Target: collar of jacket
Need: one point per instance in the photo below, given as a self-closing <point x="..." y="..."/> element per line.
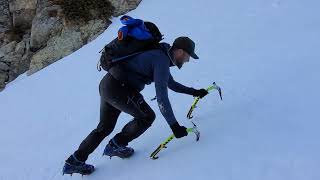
<point x="167" y="49"/>
<point x="170" y="55"/>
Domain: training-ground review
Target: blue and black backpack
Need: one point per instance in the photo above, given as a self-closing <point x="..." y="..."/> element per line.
<point x="135" y="37"/>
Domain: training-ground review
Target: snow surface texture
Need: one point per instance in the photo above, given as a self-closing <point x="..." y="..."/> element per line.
<point x="263" y="53"/>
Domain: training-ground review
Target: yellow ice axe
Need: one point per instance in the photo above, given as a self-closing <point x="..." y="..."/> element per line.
<point x="193" y="106"/>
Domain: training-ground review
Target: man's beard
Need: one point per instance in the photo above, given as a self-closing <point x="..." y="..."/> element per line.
<point x="178" y="64"/>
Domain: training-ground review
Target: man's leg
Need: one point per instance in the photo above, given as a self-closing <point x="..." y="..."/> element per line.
<point x="130" y="101"/>
<point x="143" y="118"/>
<point x="108" y="119"/>
<point x="76" y="162"/>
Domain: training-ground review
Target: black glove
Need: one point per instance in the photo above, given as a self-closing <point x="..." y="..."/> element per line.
<point x="200" y="93"/>
<point x="179" y="131"/>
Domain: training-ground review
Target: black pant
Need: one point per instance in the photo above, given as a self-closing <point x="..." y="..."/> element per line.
<point x="115" y="98"/>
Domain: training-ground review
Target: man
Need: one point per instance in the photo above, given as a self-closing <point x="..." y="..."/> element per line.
<point x="120" y="91"/>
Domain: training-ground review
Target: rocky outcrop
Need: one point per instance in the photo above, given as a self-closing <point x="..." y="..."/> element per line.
<point x="123" y="6"/>
<point x="34" y="34"/>
<point x="23" y="12"/>
<point x="5" y="20"/>
<point x="45" y="24"/>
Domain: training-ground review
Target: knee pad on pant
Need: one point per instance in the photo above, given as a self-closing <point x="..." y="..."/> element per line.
<point x="149" y="119"/>
<point x="149" y="116"/>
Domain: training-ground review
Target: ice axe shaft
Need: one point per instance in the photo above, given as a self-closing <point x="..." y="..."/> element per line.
<point x="164" y="143"/>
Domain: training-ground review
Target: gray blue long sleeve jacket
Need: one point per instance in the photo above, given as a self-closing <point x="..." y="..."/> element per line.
<point x="152" y="66"/>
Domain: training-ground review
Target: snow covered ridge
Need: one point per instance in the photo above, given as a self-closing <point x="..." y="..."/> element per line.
<point x="265" y="57"/>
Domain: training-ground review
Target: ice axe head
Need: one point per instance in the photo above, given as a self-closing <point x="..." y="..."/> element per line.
<point x="196" y="131"/>
<point x="218" y="88"/>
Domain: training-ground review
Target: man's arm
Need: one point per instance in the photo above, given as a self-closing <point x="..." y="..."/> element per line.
<point x="177" y="87"/>
<point x="161" y="75"/>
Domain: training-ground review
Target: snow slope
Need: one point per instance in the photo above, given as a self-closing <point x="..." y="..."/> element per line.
<point x="263" y="53"/>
